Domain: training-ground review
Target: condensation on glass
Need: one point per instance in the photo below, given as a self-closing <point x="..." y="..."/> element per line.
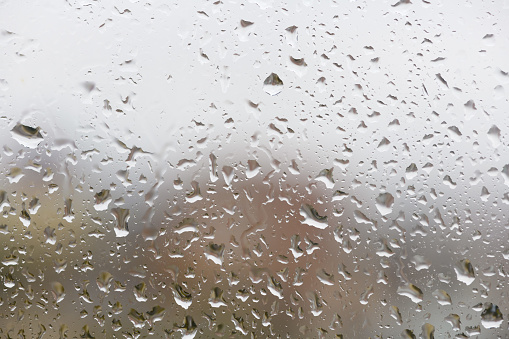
<point x="262" y="169"/>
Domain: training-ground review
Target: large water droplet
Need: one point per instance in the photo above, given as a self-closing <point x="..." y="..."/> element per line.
<point x="443" y="298"/>
<point x="58" y="291"/>
<point x="428" y="331"/>
<point x="312" y="218"/>
<point x="273" y="84"/>
<point x="215" y="252"/>
<point x="491" y="317"/>
<point x="122" y="216"/>
<point x="411" y="291"/>
<point x="384" y="203"/>
<point x="182" y="297"/>
<point x="26" y="135"/>
<point x="465" y="271"/>
<point x="102" y="200"/>
<point x="104" y="281"/>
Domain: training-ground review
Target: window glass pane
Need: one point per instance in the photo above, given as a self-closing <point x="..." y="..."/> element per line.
<point x="263" y="169"/>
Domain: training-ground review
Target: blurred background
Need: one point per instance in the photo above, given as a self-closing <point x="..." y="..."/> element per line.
<point x="262" y="169"/>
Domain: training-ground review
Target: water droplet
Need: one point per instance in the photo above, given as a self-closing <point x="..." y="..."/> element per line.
<point x="368" y="292"/>
<point x="384" y="203"/>
<point x="245" y="23"/>
<point x="443" y="298"/>
<point x="139" y="292"/>
<point x="155" y="314"/>
<point x="58" y="291"/>
<point x="494" y="136"/>
<point x="292" y="35"/>
<point x="312" y="218"/>
<point x="68" y="213"/>
<point x="420" y="262"/>
<point x="491" y="317"/>
<point x="396" y="314"/>
<point x="26" y="135"/>
<point x="325" y="278"/>
<point x="136" y="318"/>
<point x="10" y="260"/>
<point x="428" y="331"/>
<point x="216" y="297"/>
<point x="182" y="297"/>
<point x="215" y="253"/>
<point x="15" y="174"/>
<point x="253" y="168"/>
<point x="298" y="62"/>
<point x="195" y="194"/>
<point x="189" y="328"/>
<point x="275" y="287"/>
<point x="273" y="84"/>
<point x="104" y="281"/>
<point x="102" y="200"/>
<point x="186" y="225"/>
<point x="121" y="227"/>
<point x="326" y="177"/>
<point x="454" y="321"/>
<point x="465" y="271"/>
<point x="408" y="334"/>
<point x="411" y="291"/>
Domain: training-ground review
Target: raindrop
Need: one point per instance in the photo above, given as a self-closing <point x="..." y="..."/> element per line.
<point x="454" y="321"/>
<point x="104" y="281"/>
<point x="155" y="314"/>
<point x="312" y="218"/>
<point x="411" y="291"/>
<point x="443" y="298"/>
<point x="465" y="271"/>
<point x="491" y="317"/>
<point x="26" y="135"/>
<point x="214" y="252"/>
<point x="136" y="318"/>
<point x="326" y="176"/>
<point x="384" y="203"/>
<point x="182" y="297"/>
<point x="216" y="297"/>
<point x="408" y="334"/>
<point x="58" y="291"/>
<point x="428" y="331"/>
<point x="245" y="23"/>
<point x="122" y="216"/>
<point x="102" y="200"/>
<point x="494" y="136"/>
<point x="273" y="84"/>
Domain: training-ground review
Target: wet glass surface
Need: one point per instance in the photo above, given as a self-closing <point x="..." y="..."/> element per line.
<point x="260" y="169"/>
